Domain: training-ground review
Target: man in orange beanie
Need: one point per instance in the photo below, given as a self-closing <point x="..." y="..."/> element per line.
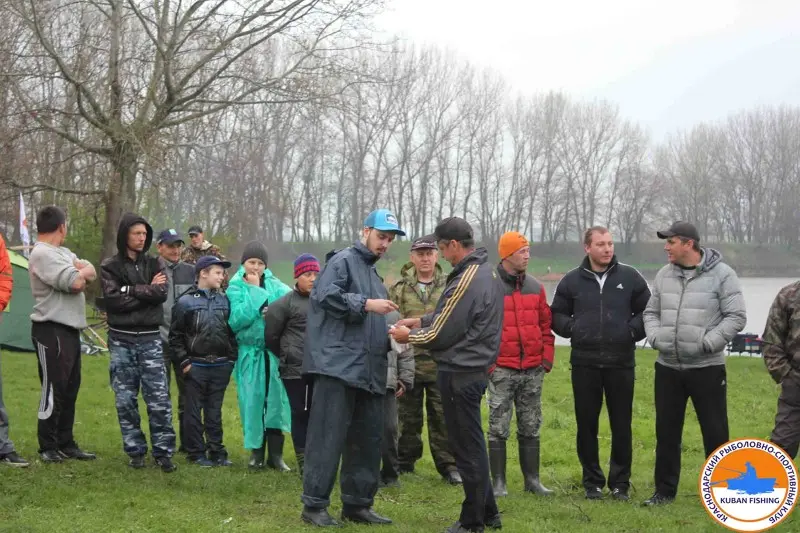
<point x="526" y="354"/>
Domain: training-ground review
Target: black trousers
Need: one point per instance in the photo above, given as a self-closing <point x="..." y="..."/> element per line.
<point x="345" y="423"/>
<point x="389" y="453"/>
<point x="707" y="387"/>
<point x="589" y="386"/>
<point x="461" y="401"/>
<point x="205" y="392"/>
<point x="59" y="351"/>
<point x="174" y="367"/>
<point x="301" y="394"/>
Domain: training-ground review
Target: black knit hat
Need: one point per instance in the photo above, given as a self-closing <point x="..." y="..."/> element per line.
<point x="254" y="250"/>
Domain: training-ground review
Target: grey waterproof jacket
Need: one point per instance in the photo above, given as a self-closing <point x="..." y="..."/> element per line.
<point x="693" y="315"/>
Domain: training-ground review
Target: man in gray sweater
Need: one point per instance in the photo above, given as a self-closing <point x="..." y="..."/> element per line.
<point x="695" y="310"/>
<point x="58" y="280"/>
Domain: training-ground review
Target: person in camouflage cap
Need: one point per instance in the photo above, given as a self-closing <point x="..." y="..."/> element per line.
<point x="416" y="294"/>
<point x="198" y="247"/>
<point x="781" y="345"/>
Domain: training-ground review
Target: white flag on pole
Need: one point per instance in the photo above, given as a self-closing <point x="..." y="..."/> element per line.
<point x="23" y="227"/>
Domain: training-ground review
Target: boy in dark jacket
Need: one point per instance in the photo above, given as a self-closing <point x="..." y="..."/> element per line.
<point x="134" y="291"/>
<point x="203" y="345"/>
<point x="399" y="380"/>
<point x="283" y="335"/>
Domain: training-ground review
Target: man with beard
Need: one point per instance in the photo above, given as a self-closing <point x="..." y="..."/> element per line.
<point x="599" y="306"/>
<point x="345" y="350"/>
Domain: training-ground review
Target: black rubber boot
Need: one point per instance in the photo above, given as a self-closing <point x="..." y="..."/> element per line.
<point x="275" y="452"/>
<point x="257" y="456"/>
<point x="497" y="464"/>
<point x="529" y="462"/>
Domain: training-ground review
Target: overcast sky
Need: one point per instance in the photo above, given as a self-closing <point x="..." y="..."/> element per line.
<point x="667" y="63"/>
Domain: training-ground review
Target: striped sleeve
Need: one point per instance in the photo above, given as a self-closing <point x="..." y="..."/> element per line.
<point x="449" y="323"/>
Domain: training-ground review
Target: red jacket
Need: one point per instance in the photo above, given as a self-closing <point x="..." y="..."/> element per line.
<point x="6" y="276"/>
<point x="527" y="339"/>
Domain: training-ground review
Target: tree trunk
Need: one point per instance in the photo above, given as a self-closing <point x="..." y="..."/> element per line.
<point x="121" y="194"/>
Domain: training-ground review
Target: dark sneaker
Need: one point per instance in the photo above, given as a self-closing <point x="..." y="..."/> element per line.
<point x="51" y="456"/>
<point x="166" y="464"/>
<point x="223" y="461"/>
<point x="77" y="453"/>
<point x="363" y="515"/>
<point x="658" y="499"/>
<point x="12" y="459"/>
<point x="594" y="493"/>
<point x="136" y="461"/>
<point x="389" y="483"/>
<point x="620" y="495"/>
<point x="202" y="462"/>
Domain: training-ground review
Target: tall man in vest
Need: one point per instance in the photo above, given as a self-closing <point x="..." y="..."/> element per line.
<point x="599" y="306"/>
<point x="526" y="354"/>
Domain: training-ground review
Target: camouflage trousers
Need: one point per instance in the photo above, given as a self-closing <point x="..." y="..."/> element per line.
<point x="425" y="394"/>
<point x="510" y="388"/>
<point x="139" y="364"/>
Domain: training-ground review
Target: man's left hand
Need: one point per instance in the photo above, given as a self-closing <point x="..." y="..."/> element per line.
<point x="400" y="334"/>
<point x="401" y="389"/>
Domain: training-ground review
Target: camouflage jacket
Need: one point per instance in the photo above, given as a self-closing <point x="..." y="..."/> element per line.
<point x="414" y="303"/>
<point x="191" y="254"/>
<point x="781" y="348"/>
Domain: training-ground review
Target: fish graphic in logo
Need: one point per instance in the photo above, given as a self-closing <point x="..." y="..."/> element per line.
<point x="749" y="485"/>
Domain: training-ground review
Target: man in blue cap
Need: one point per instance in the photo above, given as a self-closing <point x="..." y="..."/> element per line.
<point x="180" y="278"/>
<point x="346" y="348"/>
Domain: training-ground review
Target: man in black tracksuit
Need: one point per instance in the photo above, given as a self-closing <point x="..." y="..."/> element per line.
<point x="463" y="337"/>
<point x="599" y="305"/>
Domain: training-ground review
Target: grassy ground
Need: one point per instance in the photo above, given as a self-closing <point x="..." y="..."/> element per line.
<point x="108" y="496"/>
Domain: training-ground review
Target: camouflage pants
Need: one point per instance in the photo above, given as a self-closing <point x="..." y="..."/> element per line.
<point x="136" y="365"/>
<point x="410" y="414"/>
<point x="521" y="388"/>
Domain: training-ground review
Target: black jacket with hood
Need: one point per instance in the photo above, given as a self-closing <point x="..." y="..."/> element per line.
<point x="133" y="305"/>
<point x="463" y="333"/>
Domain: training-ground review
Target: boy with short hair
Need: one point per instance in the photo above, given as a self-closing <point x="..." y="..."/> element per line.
<point x="203" y="344"/>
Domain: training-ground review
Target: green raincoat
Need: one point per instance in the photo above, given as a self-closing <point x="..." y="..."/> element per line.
<point x="257" y="411"/>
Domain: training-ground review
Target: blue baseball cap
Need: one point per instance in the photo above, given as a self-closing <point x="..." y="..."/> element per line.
<point x="383" y="220"/>
<point x="209" y="261"/>
<point x="169" y="236"/>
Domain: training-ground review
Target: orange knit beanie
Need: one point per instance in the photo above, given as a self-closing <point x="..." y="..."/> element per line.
<point x="511" y="242"/>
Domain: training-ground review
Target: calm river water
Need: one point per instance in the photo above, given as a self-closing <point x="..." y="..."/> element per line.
<point x="758" y="294"/>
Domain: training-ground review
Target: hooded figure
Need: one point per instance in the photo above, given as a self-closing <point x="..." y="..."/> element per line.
<point x="263" y="403"/>
<point x="134" y="291"/>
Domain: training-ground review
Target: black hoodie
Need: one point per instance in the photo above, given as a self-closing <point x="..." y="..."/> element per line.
<point x="132" y="303"/>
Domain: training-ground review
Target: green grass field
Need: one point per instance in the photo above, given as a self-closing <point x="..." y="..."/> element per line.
<point x="107" y="496"/>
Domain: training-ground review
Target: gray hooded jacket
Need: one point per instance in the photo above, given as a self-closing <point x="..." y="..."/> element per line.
<point x="691" y="319"/>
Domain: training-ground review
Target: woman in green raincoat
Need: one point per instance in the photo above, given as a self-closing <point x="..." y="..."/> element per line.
<point x="263" y="404"/>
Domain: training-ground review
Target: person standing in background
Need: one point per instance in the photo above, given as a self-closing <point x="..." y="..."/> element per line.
<point x="180" y="278"/>
<point x="263" y="404"/>
<point x="199" y="247"/>
<point x="58" y="282"/>
<point x="421" y="285"/>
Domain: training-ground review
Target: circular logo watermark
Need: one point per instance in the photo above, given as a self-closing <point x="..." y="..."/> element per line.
<point x="749" y="485"/>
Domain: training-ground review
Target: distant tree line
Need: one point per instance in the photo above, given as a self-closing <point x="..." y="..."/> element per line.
<point x="284" y="120"/>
